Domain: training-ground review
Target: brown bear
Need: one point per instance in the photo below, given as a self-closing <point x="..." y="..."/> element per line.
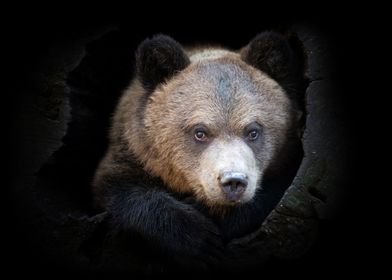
<point x="203" y="144"/>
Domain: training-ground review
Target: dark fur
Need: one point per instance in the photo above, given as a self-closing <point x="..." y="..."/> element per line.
<point x="158" y="59"/>
<point x="182" y="228"/>
<point x="271" y="53"/>
<point x="171" y="224"/>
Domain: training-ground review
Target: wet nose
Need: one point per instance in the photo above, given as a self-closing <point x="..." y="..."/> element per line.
<point x="233" y="184"/>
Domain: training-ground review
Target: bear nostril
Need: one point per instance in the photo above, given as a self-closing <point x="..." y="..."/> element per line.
<point x="233" y="184"/>
<point x="233" y="178"/>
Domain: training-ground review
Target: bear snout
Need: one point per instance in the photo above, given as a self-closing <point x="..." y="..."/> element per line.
<point x="233" y="185"/>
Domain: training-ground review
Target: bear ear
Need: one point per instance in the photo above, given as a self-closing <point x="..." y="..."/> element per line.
<point x="159" y="58"/>
<point x="271" y="53"/>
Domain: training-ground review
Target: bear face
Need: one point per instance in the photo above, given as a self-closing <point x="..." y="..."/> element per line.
<point x="209" y="122"/>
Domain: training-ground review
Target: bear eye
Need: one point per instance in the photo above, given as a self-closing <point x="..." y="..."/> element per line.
<point x="201" y="136"/>
<point x="253" y="131"/>
<point x="253" y="135"/>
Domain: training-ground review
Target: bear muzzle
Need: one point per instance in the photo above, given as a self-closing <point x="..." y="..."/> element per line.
<point x="233" y="185"/>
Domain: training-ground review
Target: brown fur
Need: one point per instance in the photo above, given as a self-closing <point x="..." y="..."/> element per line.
<point x="159" y="139"/>
<point x="159" y="181"/>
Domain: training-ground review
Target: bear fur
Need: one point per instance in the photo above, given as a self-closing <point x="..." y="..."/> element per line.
<point x="189" y="116"/>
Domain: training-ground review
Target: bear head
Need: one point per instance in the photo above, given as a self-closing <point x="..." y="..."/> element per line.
<point x="210" y="121"/>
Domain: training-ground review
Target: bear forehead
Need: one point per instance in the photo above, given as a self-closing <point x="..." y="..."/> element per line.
<point x="224" y="90"/>
<point x="208" y="54"/>
<point x="223" y="76"/>
<point x="224" y="82"/>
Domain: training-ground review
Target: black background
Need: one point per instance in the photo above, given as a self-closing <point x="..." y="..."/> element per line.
<point x="345" y="245"/>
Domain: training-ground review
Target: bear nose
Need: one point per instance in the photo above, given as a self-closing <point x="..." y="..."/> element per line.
<point x="233" y="184"/>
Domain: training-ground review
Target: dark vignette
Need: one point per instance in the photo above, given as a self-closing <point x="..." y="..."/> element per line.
<point x="46" y="41"/>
